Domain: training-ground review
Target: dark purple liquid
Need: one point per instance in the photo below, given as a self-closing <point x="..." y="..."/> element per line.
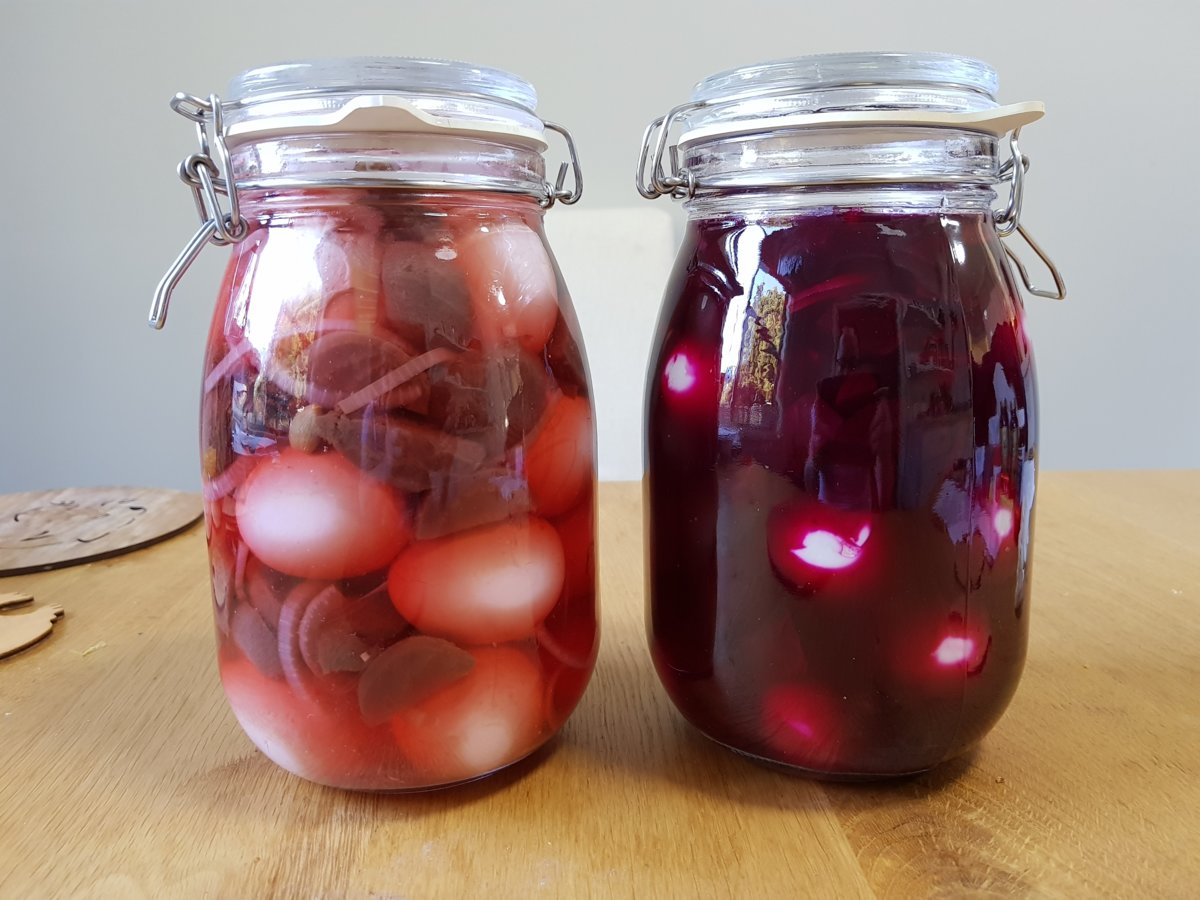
<point x="842" y="429"/>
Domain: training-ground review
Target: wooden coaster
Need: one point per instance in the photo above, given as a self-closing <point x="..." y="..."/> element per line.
<point x="48" y="529"/>
<point x="21" y="630"/>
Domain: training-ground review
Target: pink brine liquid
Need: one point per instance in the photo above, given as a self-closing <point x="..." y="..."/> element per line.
<point x="397" y="448"/>
<point x="841" y="455"/>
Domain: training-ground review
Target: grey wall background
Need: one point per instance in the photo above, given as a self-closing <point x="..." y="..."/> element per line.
<point x="93" y="214"/>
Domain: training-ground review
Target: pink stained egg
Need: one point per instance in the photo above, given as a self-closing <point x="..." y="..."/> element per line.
<point x="826" y="550"/>
<point x="954" y="651"/>
<point x="490" y="717"/>
<point x="512" y="284"/>
<point x="559" y="460"/>
<point x="679" y="375"/>
<point x="486" y="585"/>
<point x="324" y="742"/>
<point x="938" y="651"/>
<point x="318" y="516"/>
<point x="801" y="724"/>
<point x="809" y="542"/>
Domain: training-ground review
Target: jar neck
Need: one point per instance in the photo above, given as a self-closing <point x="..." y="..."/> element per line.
<point x="413" y="161"/>
<point x="905" y="169"/>
<point x="893" y="199"/>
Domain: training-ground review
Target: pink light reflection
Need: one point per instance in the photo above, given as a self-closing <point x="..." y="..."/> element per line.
<point x="1003" y="520"/>
<point x="827" y="550"/>
<point x="681" y="374"/>
<point x="954" y="651"/>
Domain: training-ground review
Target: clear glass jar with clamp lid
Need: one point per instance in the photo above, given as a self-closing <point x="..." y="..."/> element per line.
<point x="396" y="428"/>
<point x="841" y="411"/>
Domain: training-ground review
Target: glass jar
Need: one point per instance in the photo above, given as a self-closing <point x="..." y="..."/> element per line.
<point x="841" y="416"/>
<point x="396" y="427"/>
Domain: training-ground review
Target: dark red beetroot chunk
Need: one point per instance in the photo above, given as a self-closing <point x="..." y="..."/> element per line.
<point x="401" y="451"/>
<point x="457" y="503"/>
<point x="424" y="296"/>
<point x="342" y="362"/>
<point x="407" y="673"/>
<point x="463" y="402"/>
<point x="256" y="640"/>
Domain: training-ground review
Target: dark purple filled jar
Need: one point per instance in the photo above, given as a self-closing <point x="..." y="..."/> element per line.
<point x="842" y="422"/>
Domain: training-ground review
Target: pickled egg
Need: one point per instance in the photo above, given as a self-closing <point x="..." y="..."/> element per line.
<point x="319" y="516"/>
<point x="558" y="462"/>
<point x="325" y="742"/>
<point x="490" y="717"/>
<point x="486" y="585"/>
<point x="513" y="288"/>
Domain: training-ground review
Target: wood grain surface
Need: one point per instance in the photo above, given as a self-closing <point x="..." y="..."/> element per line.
<point x="47" y="529"/>
<point x="123" y="774"/>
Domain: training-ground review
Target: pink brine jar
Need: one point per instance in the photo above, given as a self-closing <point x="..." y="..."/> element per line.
<point x="841" y="418"/>
<point x="396" y="432"/>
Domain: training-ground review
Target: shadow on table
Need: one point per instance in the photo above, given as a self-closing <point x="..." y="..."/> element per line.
<point x="629" y="727"/>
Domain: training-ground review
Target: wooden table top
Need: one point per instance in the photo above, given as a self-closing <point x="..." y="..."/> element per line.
<point x="123" y="774"/>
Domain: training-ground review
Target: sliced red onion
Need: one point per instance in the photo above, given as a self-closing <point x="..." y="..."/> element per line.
<point x="239" y="569"/>
<point x="295" y="671"/>
<point x="225" y="366"/>
<point x="319" y="618"/>
<point x="229" y="480"/>
<point x="552" y="646"/>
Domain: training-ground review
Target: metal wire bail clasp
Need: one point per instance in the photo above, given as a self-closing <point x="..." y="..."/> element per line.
<point x="1008" y="222"/>
<point x="557" y="193"/>
<point x="678" y="183"/>
<point x="209" y="174"/>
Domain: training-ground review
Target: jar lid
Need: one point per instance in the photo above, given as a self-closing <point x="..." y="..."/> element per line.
<point x="380" y="94"/>
<point x="878" y="88"/>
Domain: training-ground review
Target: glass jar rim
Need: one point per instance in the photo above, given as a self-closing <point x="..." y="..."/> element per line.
<point x="400" y="93"/>
<point x="755" y="96"/>
<point x="857" y="69"/>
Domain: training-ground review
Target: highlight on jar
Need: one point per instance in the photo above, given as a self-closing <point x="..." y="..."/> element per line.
<point x="841" y="419"/>
<point x="398" y="448"/>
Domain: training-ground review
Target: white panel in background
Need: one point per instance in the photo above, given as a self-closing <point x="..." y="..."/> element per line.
<point x="616" y="263"/>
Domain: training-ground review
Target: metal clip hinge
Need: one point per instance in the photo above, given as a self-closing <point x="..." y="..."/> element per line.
<point x="678" y="183"/>
<point x="1060" y="287"/>
<point x="209" y="175"/>
<point x="558" y="193"/>
<point x="1008" y="222"/>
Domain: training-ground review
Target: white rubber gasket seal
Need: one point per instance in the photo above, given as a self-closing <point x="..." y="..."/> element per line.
<point x="996" y="122"/>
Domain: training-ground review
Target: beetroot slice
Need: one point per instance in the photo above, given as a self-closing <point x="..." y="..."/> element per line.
<point x="256" y="641"/>
<point x="341" y="634"/>
<point x="407" y="673"/>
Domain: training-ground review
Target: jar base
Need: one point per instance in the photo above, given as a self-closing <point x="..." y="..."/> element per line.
<point x="816" y="775"/>
<point x="428" y="788"/>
